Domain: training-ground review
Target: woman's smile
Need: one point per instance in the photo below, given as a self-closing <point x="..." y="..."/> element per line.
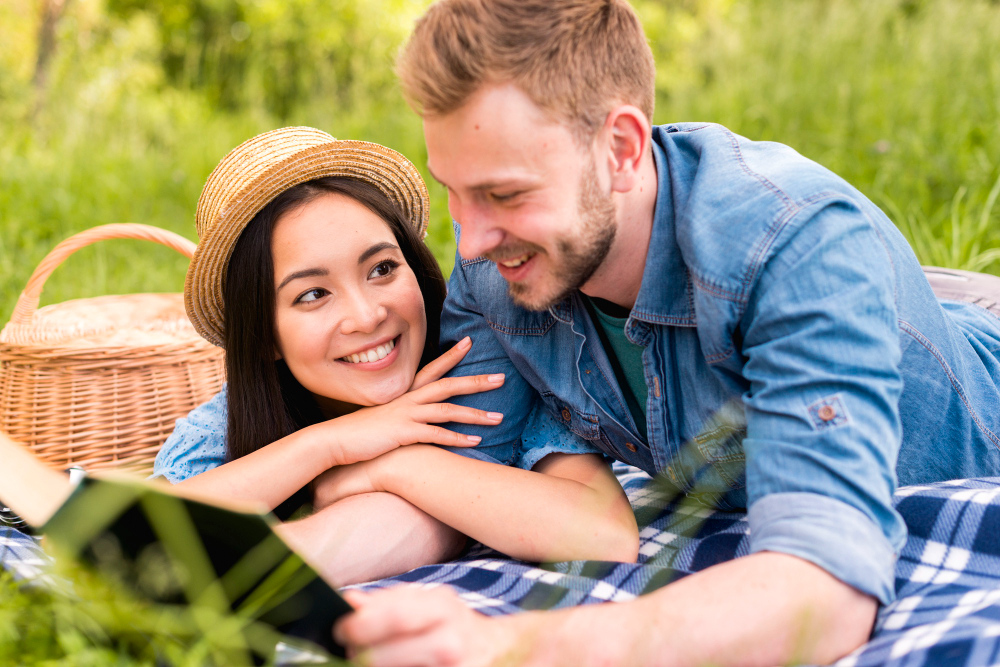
<point x="374" y="358"/>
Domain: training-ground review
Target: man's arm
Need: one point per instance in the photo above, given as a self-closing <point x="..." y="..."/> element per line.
<point x="765" y="609"/>
<point x="472" y="284"/>
<point x="822" y="350"/>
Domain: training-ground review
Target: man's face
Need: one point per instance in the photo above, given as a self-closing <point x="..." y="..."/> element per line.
<point x="526" y="194"/>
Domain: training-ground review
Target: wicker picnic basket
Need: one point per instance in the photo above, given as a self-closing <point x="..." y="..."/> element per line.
<point x="99" y="382"/>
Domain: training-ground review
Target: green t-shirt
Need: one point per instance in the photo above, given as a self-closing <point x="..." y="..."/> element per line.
<point x="625" y="357"/>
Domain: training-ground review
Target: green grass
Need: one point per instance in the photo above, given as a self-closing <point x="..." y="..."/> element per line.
<point x="900" y="97"/>
<point x="133" y="167"/>
<point x="118" y="140"/>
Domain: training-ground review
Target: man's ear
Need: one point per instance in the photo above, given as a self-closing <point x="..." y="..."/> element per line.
<point x="628" y="134"/>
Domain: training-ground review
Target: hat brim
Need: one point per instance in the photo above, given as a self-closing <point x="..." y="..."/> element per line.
<point x="382" y="167"/>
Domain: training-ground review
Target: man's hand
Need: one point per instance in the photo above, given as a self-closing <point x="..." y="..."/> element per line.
<point x="409" y="626"/>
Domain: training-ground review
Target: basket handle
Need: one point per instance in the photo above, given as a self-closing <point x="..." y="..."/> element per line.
<point x="27" y="303"/>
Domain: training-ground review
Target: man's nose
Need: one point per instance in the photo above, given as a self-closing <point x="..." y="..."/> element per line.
<point x="480" y="233"/>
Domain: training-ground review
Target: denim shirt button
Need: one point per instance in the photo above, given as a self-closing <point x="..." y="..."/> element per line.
<point x="629" y="446"/>
<point x="565" y="414"/>
<point x="826" y="413"/>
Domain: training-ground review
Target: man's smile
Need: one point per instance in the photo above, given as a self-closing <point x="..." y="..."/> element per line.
<point x="517" y="269"/>
<point x="517" y="261"/>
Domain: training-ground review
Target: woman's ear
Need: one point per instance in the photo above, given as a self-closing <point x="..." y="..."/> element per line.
<point x="277" y="353"/>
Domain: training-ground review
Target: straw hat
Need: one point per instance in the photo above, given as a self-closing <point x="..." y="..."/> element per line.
<point x="257" y="171"/>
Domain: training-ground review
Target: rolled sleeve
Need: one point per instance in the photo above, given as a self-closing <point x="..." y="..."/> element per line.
<point x="197" y="444"/>
<point x="828" y="533"/>
<point x="823" y="427"/>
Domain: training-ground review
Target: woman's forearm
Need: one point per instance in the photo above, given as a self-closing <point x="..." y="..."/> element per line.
<point x="524" y="514"/>
<point x="268" y="476"/>
<point x="27" y="485"/>
<point x="370" y="536"/>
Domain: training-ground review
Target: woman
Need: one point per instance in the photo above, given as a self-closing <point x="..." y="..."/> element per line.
<point x="312" y="274"/>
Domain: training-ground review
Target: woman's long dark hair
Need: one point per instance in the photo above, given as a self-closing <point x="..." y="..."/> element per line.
<point x="265" y="402"/>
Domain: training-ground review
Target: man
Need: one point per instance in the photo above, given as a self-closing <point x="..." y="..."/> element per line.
<point x="720" y="312"/>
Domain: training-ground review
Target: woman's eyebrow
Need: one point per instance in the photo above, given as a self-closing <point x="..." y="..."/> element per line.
<point x="375" y="249"/>
<point x="304" y="273"/>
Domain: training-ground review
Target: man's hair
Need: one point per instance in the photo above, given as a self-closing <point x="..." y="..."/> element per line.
<point x="575" y="59"/>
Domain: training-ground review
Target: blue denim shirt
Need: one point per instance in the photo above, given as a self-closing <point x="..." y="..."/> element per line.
<point x="793" y="351"/>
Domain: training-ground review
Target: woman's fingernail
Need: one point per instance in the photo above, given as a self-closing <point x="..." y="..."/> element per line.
<point x="474" y="439"/>
<point x="496" y="378"/>
<point x="494" y="416"/>
<point x="464" y="344"/>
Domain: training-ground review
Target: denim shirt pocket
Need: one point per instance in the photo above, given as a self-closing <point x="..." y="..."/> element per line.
<point x="722" y="448"/>
<point x="525" y="324"/>
<point x="713" y="460"/>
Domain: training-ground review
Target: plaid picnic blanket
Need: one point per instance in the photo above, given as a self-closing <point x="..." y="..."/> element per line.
<point x="947" y="610"/>
<point x="21" y="555"/>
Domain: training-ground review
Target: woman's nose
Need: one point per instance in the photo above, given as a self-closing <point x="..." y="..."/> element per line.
<point x="363" y="316"/>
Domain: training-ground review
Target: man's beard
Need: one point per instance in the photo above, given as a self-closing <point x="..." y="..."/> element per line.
<point x="577" y="257"/>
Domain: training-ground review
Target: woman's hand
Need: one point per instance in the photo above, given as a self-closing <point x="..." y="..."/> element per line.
<point x="410" y="419"/>
<point x="436" y="369"/>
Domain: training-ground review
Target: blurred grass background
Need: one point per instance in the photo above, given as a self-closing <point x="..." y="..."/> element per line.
<point x="117" y="110"/>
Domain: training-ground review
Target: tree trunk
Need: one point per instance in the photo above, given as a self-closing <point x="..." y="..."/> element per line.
<point x="52" y="11"/>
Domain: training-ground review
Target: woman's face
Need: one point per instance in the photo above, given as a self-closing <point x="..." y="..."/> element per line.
<point x="349" y="314"/>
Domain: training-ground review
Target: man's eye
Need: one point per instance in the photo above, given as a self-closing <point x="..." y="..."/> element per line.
<point x="383" y="269"/>
<point x="312" y="295"/>
<point x="505" y="197"/>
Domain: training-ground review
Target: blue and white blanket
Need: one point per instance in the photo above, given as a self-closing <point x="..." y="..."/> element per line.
<point x="947" y="610"/>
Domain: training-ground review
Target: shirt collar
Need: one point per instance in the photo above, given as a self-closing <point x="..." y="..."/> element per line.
<point x="666" y="295"/>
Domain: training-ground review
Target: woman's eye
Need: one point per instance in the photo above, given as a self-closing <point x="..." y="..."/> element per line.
<point x="383" y="269"/>
<point x="312" y="295"/>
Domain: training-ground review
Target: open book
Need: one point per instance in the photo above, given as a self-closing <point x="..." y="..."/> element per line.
<point x="172" y="549"/>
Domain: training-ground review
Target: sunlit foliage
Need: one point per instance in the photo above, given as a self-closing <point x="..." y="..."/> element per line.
<point x="140" y="98"/>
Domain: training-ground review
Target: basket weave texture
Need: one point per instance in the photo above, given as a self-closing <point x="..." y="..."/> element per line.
<point x="99" y="382"/>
